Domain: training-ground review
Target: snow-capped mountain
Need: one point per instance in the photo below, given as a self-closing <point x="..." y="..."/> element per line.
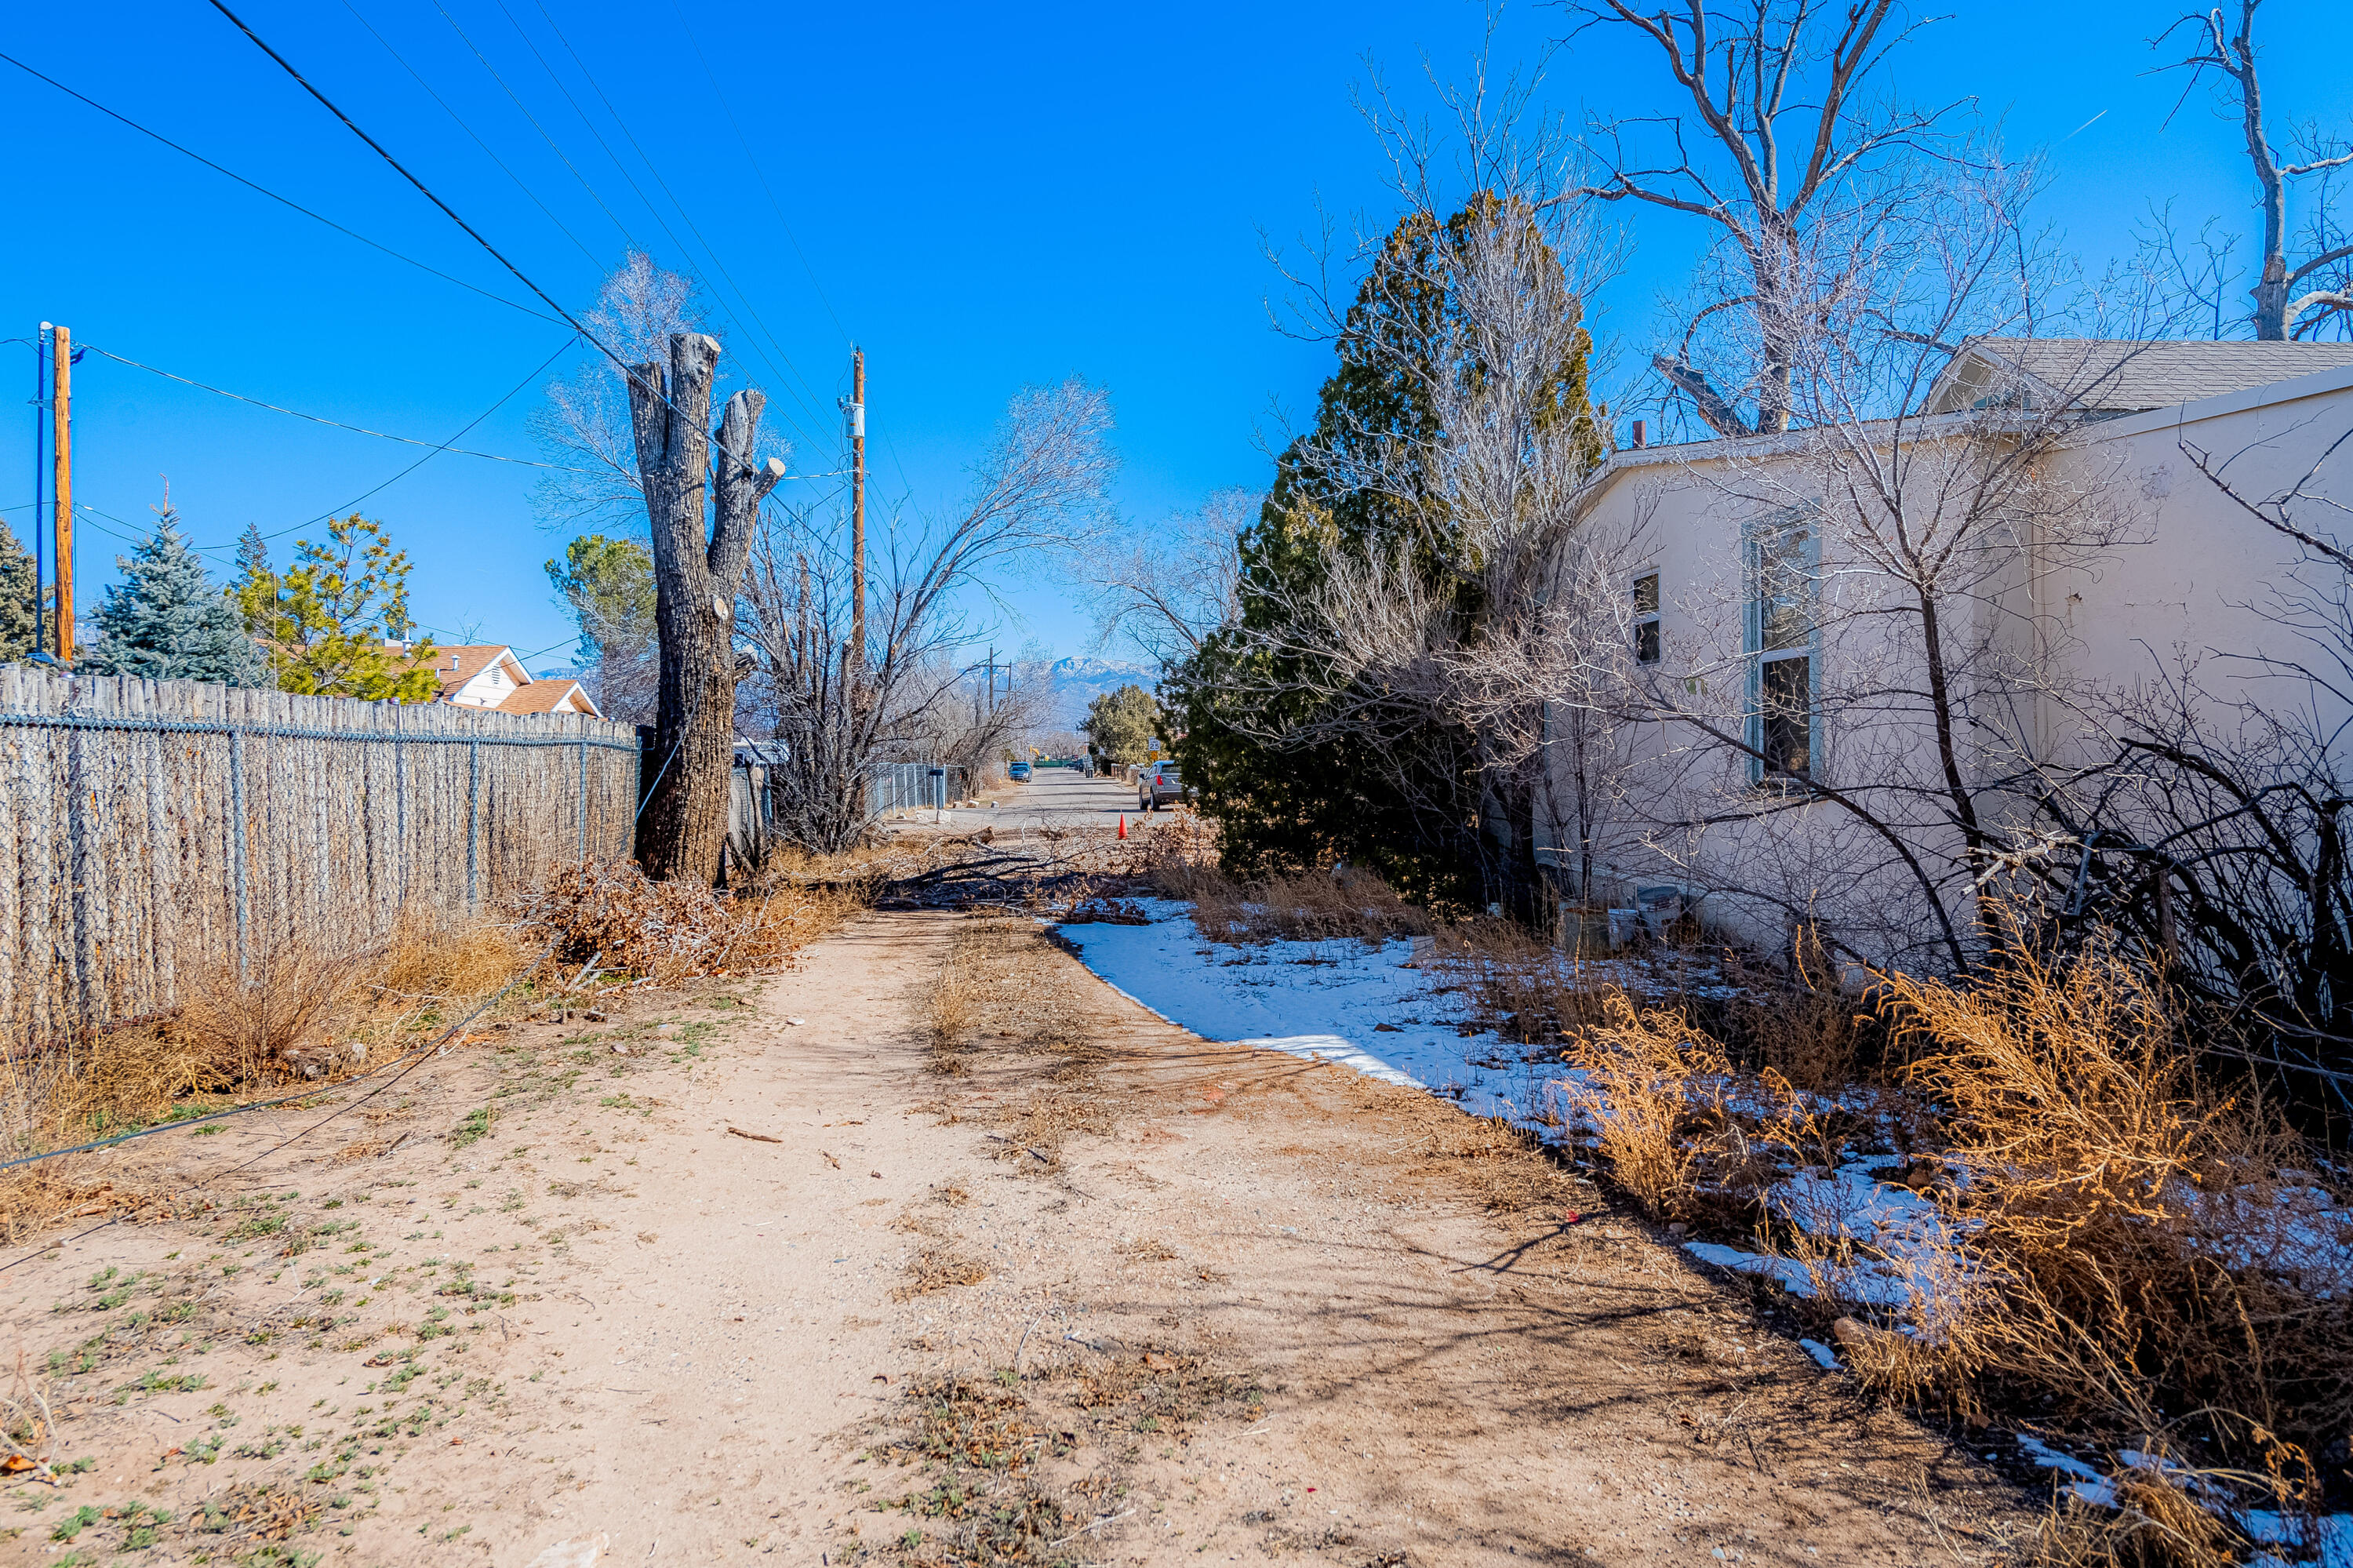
<point x="1078" y="682"/>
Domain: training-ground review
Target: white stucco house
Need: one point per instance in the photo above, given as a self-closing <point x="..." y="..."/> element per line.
<point x="489" y="675"/>
<point x="1868" y="656"/>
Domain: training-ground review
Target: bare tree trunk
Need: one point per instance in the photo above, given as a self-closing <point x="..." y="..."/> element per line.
<point x="697" y="579"/>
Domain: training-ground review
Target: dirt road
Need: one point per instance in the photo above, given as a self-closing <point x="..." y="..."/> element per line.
<point x="781" y="1279"/>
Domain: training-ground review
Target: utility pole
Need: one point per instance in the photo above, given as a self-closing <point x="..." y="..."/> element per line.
<point x="857" y="412"/>
<point x="62" y="411"/>
<point x="40" y="482"/>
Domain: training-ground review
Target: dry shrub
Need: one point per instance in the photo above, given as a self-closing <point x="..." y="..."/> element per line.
<point x="231" y="1029"/>
<point x="1313" y="905"/>
<point x="2121" y="1243"/>
<point x="1657" y="1094"/>
<point x="613" y="917"/>
<point x="2155" y="1524"/>
<point x="1802" y="1025"/>
<point x="28" y="1436"/>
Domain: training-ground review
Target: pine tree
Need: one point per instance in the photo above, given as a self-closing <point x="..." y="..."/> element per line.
<point x="15" y="598"/>
<point x="1280" y="806"/>
<point x="166" y="620"/>
<point x="334" y="623"/>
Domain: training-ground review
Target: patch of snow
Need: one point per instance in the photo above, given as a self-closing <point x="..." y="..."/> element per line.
<point x="2090" y="1485"/>
<point x="1317" y="998"/>
<point x="1824" y="1357"/>
<point x="2330" y="1545"/>
<point x="1866" y="1284"/>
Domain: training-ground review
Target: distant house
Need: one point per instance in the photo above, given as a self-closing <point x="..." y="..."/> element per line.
<point x="490" y="676"/>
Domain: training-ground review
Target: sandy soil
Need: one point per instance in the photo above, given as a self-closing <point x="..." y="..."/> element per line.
<point x="1098" y="1292"/>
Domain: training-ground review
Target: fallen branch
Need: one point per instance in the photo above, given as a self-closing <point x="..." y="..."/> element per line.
<point x="754" y="1137"/>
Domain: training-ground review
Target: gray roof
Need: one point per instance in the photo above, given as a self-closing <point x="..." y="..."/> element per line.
<point x="2113" y="376"/>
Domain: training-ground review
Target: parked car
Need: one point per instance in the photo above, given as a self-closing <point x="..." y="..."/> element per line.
<point x="1157" y="785"/>
<point x="1020" y="772"/>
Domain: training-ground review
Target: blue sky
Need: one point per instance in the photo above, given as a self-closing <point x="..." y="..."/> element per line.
<point x="981" y="197"/>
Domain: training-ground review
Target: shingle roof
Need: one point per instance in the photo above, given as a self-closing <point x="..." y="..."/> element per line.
<point x="2113" y="376"/>
<point x="546" y="697"/>
<point x="454" y="666"/>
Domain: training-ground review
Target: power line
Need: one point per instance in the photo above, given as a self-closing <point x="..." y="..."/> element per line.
<point x="400" y="169"/>
<point x="378" y="148"/>
<point x="334" y="424"/>
<point x="265" y="190"/>
<point x="469" y="130"/>
<point x="651" y="169"/>
<point x="761" y="175"/>
<point x="516" y="98"/>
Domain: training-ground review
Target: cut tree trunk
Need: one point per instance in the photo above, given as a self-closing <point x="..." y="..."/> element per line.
<point x="698" y="572"/>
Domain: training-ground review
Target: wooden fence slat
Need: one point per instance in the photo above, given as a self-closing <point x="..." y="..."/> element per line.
<point x="173" y="831"/>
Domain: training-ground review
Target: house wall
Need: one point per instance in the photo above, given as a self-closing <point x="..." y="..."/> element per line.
<point x="2141" y="569"/>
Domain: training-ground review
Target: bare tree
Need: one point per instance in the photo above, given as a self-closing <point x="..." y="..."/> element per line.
<point x="2311" y="292"/>
<point x="586" y="421"/>
<point x="1172" y="585"/>
<point x="1038" y="494"/>
<point x="698" y="565"/>
<point x="1791" y="153"/>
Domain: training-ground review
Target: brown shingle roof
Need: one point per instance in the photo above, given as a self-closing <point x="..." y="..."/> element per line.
<point x="546" y="697"/>
<point x="2111" y="375"/>
<point x="454" y="666"/>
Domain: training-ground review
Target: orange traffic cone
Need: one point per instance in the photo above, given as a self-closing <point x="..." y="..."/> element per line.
<point x="1123" y="824"/>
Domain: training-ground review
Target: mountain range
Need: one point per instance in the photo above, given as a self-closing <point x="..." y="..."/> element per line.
<point x="1078" y="682"/>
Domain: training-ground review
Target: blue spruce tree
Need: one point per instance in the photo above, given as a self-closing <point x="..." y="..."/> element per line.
<point x="166" y="621"/>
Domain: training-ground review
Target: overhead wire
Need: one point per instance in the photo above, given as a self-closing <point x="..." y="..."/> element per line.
<point x="336" y="424"/>
<point x="654" y="171"/>
<point x="627" y="371"/>
<point x="524" y="109"/>
<point x="264" y="190"/>
<point x="438" y="450"/>
<point x="448" y="108"/>
<point x="719" y="94"/>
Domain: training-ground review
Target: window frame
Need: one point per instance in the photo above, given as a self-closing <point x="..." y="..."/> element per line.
<point x="1759" y="539"/>
<point x="1647" y="618"/>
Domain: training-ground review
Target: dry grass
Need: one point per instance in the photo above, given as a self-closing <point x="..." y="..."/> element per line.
<point x="938" y="1268"/>
<point x="1658" y="1096"/>
<point x="436" y="958"/>
<point x="2128" y="1244"/>
<point x="1311" y="906"/>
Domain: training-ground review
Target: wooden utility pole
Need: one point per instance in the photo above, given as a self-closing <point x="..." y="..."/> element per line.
<point x="62" y="411"/>
<point x="857" y="412"/>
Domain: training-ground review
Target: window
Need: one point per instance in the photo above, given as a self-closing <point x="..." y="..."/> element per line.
<point x="1784" y="561"/>
<point x="1646" y="619"/>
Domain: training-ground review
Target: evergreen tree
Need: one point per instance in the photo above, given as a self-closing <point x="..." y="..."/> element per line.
<point x="1412" y="809"/>
<point x="1122" y="724"/>
<point x="165" y="620"/>
<point x="331" y="622"/>
<point x="15" y="598"/>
